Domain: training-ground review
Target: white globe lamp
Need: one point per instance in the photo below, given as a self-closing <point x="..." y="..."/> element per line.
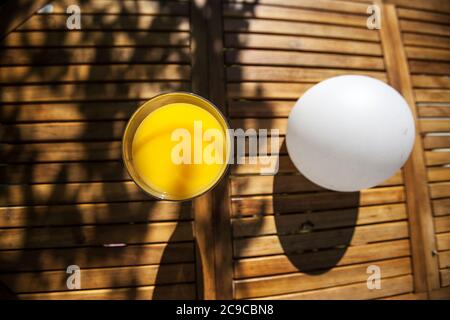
<point x="349" y="133"/>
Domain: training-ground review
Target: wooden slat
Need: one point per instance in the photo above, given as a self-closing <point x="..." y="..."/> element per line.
<point x="285" y="165"/>
<point x="100" y="278"/>
<point x="285" y="74"/>
<point x="257" y="90"/>
<point x="88" y="91"/>
<point x="443" y="241"/>
<point x="61" y="151"/>
<point x="257" y="124"/>
<point x="444" y="259"/>
<point x="268" y="12"/>
<point x="427" y="67"/>
<point x="45" y="194"/>
<point x="445" y="277"/>
<point x="264" y="41"/>
<point x="64" y="172"/>
<point x="55" y="56"/>
<point x="438" y="174"/>
<point x="432" y="95"/>
<point x="96" y="257"/>
<point x="14" y="13"/>
<point x="108" y="22"/>
<point x="273" y="244"/>
<point x="427" y="53"/>
<point x="434" y="125"/>
<point x="294" y="223"/>
<point x="86" y="214"/>
<point x="203" y="205"/>
<point x="432" y="142"/>
<point x="63" y="131"/>
<point x="431" y="81"/>
<point x="341" y="6"/>
<point x="220" y="217"/>
<point x="178" y="291"/>
<point x="441" y="207"/>
<point x="434" y="111"/>
<point x="296" y="282"/>
<point x="423" y="15"/>
<point x="299" y="28"/>
<point x="267" y="57"/>
<point x="428" y="41"/>
<point x="440" y="190"/>
<point x="437" y="158"/>
<point x="133" y="7"/>
<point x="408" y="296"/>
<point x="260" y="108"/>
<point x="68" y="111"/>
<point x="73" y="38"/>
<point x="432" y="5"/>
<point x="428" y="28"/>
<point x="77" y="73"/>
<point x="58" y="237"/>
<point x="212" y="209"/>
<point x="359" y="291"/>
<point x="253" y="185"/>
<point x="442" y="224"/>
<point x="316" y="201"/>
<point x="281" y="264"/>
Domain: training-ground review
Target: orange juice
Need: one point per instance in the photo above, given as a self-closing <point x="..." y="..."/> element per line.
<point x="173" y="155"/>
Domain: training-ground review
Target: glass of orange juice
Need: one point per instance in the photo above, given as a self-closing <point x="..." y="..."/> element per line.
<point x="176" y="146"/>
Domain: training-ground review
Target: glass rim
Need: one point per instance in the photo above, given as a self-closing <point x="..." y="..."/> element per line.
<point x="126" y="140"/>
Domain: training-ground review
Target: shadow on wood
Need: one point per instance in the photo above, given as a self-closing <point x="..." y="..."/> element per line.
<point x="314" y="225"/>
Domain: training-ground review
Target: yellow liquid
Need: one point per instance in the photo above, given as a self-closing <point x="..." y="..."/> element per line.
<point x="152" y="152"/>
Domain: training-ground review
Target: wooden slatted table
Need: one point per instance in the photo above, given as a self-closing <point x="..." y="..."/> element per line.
<point x="66" y="199"/>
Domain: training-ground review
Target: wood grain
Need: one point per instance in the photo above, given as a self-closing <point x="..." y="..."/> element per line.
<point x="44" y="194"/>
<point x="89" y="91"/>
<point x="262" y="41"/>
<point x="49" y="281"/>
<point x="285" y="244"/>
<point x="294" y="223"/>
<point x="299" y="28"/>
<point x="291" y="74"/>
<point x="57" y="56"/>
<point x="267" y="12"/>
<point x="297" y="282"/>
<point x="283" y="264"/>
<point x="61" y="151"/>
<point x="416" y="188"/>
<point x="108" y="22"/>
<point x="19" y="238"/>
<point x="92" y="213"/>
<point x="41" y="39"/>
<point x="358" y="291"/>
<point x="287" y="58"/>
<point x="76" y="73"/>
<point x="158" y="7"/>
<point x="423" y="15"/>
<point x="341" y="6"/>
<point x="169" y="292"/>
<point x="315" y="201"/>
<point x="427" y="41"/>
<point x="96" y="257"/>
